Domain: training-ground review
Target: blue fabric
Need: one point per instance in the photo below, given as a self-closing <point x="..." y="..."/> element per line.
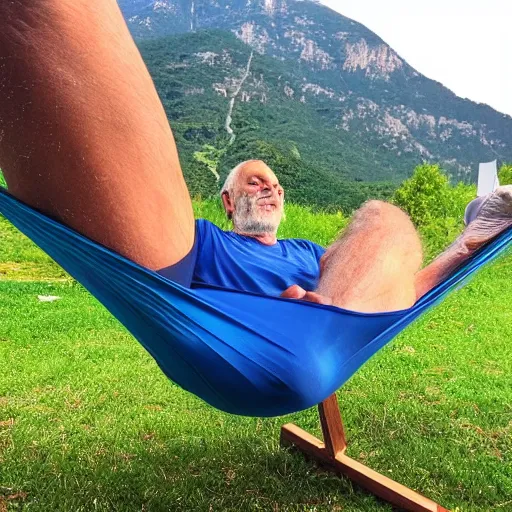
<point x="183" y="271"/>
<point x="242" y="263"/>
<point x="240" y="352"/>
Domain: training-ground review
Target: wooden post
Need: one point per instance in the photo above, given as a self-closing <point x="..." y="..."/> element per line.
<point x="331" y="453"/>
<point x="332" y="426"/>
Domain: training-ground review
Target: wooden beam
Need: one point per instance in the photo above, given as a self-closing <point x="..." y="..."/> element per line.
<point x="332" y="454"/>
<point x="332" y="426"/>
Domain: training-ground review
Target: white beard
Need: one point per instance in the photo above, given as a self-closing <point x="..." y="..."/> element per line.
<point x="248" y="218"/>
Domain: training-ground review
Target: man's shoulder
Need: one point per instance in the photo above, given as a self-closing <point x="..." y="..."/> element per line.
<point x="210" y="235"/>
<point x="208" y="231"/>
<point x="204" y="226"/>
<point x="205" y="222"/>
<point x="303" y="244"/>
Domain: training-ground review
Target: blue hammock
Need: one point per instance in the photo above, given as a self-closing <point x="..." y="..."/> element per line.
<point x="242" y="353"/>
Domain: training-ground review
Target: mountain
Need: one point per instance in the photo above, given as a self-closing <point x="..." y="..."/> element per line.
<point x="298" y="78"/>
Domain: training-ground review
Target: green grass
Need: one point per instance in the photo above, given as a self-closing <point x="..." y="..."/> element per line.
<point x="88" y="422"/>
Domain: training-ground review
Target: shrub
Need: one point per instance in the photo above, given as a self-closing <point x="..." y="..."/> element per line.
<point x="505" y="174"/>
<point x="435" y="207"/>
<point x="424" y="196"/>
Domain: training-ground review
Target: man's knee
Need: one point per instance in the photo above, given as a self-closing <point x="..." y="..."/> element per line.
<point x="386" y="225"/>
<point x="375" y="211"/>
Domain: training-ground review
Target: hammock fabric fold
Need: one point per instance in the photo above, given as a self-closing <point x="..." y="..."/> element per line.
<point x="240" y="352"/>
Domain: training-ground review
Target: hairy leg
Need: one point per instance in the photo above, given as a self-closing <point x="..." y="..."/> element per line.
<point x="372" y="266"/>
<point x="83" y="135"/>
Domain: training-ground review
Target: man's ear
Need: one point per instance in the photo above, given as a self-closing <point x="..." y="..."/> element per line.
<point x="229" y="206"/>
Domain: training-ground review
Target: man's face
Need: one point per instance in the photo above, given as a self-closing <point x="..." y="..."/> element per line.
<point x="257" y="199"/>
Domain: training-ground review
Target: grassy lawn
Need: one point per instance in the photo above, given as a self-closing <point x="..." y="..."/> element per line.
<point x="88" y="422"/>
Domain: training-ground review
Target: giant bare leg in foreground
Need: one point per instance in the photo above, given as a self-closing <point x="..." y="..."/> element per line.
<point x="83" y="135"/>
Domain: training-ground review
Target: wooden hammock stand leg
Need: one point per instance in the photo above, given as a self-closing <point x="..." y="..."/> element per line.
<point x="331" y="453"/>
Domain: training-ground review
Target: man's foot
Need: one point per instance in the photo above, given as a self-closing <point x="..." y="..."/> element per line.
<point x="473" y="208"/>
<point x="493" y="215"/>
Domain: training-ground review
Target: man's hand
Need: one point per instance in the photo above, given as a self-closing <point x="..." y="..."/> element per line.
<point x="298" y="293"/>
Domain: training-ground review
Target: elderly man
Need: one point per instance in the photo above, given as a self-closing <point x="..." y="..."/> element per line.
<point x="374" y="266"/>
<point x="84" y="139"/>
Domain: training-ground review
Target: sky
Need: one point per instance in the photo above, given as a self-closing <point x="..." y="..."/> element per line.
<point x="464" y="44"/>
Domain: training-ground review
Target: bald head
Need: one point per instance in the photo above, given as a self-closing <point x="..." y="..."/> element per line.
<point x="243" y="167"/>
<point x="253" y="198"/>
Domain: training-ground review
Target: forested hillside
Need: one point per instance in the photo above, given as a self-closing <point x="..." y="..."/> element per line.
<point x="313" y="165"/>
<point x="310" y="84"/>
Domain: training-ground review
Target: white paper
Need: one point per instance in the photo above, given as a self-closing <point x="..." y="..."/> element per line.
<point x="487" y="178"/>
<point x="48" y="298"/>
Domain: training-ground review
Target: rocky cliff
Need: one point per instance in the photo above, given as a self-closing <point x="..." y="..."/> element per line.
<point x="333" y="71"/>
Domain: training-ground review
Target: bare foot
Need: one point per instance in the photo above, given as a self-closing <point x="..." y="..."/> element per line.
<point x="495" y="216"/>
<point x="298" y="293"/>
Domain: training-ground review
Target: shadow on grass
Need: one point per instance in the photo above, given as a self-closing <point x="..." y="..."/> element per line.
<point x="245" y="474"/>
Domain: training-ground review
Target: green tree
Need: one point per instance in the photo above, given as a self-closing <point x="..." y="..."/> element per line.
<point x="505" y="174"/>
<point x="425" y="196"/>
<point x="436" y="207"/>
<point x="2" y="180"/>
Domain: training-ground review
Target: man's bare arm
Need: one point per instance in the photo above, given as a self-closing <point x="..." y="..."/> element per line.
<point x="83" y="135"/>
<point x="493" y="217"/>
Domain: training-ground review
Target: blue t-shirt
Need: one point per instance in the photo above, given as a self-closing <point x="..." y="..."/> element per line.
<point x="242" y="263"/>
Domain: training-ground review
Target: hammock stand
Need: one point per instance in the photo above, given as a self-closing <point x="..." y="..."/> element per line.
<point x="331" y="454"/>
